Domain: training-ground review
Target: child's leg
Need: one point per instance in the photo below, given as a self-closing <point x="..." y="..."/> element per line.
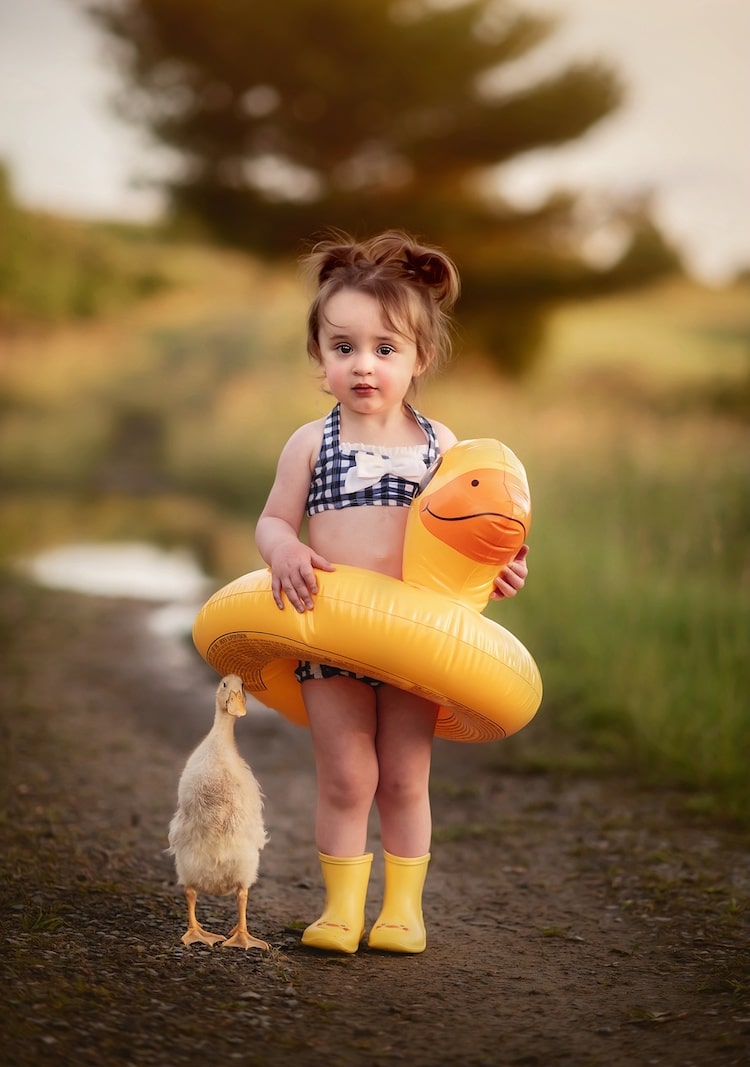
<point x="406" y="727"/>
<point x="343" y="723"/>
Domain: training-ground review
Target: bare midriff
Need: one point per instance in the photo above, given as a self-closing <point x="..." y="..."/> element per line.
<point x="366" y="536"/>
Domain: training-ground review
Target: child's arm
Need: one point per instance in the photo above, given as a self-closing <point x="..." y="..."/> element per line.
<point x="291" y="561"/>
<point x="445" y="436"/>
<point x="512" y="577"/>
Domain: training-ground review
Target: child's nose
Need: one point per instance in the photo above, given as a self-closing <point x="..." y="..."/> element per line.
<point x="364" y="363"/>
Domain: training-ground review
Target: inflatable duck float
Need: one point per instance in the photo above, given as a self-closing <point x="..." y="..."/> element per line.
<point x="424" y="633"/>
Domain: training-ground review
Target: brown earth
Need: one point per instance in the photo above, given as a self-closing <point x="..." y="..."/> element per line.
<point x="570" y="921"/>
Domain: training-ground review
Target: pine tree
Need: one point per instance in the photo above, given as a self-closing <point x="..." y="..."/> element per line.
<point x="294" y="117"/>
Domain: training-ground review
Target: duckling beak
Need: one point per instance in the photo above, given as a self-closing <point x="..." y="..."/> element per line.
<point x="236" y="703"/>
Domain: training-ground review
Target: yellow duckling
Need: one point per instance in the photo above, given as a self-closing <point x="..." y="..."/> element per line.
<point x="217" y="832"/>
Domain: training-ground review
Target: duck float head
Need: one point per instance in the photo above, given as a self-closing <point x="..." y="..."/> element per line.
<point x="424" y="633"/>
<point x="470" y="517"/>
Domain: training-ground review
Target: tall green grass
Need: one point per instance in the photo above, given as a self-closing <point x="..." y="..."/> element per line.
<point x="637" y="609"/>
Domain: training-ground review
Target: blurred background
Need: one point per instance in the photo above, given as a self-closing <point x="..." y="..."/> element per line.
<point x="163" y="163"/>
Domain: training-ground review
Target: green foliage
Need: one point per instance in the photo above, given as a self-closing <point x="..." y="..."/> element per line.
<point x="638" y="614"/>
<point x="367" y="116"/>
<point x="53" y="269"/>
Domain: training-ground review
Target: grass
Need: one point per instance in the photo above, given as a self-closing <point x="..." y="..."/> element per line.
<point x="638" y="604"/>
<point x="638" y="611"/>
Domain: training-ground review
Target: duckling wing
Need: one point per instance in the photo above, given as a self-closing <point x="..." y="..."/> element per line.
<point x="217" y="832"/>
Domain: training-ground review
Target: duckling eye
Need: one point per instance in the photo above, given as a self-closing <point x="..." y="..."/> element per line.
<point x="475" y="481"/>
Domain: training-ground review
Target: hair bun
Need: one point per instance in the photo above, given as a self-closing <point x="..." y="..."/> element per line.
<point x="331" y="256"/>
<point x="394" y="252"/>
<point x="428" y="267"/>
<point x="433" y="269"/>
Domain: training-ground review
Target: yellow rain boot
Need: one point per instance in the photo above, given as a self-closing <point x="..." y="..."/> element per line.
<point x="400" y="926"/>
<point x="341" y="927"/>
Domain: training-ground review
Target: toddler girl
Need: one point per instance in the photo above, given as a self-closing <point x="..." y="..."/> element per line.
<point x="378" y="322"/>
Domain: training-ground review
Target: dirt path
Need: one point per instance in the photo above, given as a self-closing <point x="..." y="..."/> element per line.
<point x="569" y="922"/>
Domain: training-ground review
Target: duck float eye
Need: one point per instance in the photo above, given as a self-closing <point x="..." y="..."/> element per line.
<point x="425" y="633"/>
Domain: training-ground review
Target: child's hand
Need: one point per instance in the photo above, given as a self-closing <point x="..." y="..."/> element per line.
<point x="293" y="572"/>
<point x="512" y="577"/>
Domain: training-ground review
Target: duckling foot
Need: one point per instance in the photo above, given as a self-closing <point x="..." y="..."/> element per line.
<point x="238" y="935"/>
<point x="242" y="939"/>
<point x="196" y="933"/>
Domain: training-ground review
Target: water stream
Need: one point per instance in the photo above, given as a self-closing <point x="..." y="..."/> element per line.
<point x="171" y="579"/>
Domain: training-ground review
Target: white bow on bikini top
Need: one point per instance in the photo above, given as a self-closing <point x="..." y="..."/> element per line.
<point x="405" y="462"/>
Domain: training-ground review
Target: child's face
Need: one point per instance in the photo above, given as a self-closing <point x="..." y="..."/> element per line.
<point x="368" y="365"/>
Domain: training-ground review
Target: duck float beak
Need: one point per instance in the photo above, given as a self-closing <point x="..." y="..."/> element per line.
<point x="463" y="515"/>
<point x="470" y="518"/>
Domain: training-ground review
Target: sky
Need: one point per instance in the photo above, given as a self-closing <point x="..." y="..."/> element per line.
<point x="682" y="136"/>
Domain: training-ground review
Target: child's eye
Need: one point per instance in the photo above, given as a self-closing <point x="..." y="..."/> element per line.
<point x="385" y="350"/>
<point x="344" y="348"/>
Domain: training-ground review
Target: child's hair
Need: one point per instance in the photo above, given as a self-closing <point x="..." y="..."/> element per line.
<point x="416" y="287"/>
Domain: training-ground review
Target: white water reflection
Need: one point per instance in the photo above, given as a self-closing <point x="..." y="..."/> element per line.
<point x="124" y="569"/>
<point x="134" y="570"/>
<point x="139" y="571"/>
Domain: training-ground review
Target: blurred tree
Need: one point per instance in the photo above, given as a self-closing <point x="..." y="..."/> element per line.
<point x="53" y="269"/>
<point x="365" y="115"/>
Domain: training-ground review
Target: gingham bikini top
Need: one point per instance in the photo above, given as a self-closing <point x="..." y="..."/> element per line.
<point x="352" y="475"/>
